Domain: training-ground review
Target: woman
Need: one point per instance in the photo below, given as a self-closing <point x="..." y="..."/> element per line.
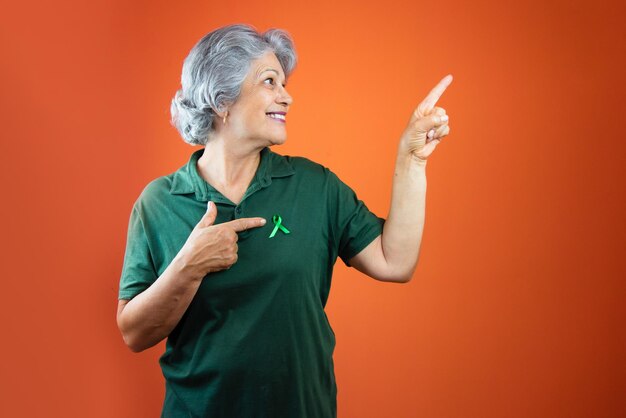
<point x="231" y="256"/>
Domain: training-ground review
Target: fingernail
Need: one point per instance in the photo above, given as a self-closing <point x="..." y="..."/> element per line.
<point x="430" y="134"/>
<point x="263" y="221"/>
<point x="444" y="118"/>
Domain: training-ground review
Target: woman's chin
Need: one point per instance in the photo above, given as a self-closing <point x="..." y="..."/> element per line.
<point x="278" y="141"/>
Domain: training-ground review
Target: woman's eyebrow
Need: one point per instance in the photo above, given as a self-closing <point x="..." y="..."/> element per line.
<point x="269" y="69"/>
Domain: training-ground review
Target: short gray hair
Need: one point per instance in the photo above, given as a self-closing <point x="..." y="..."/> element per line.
<point x="214" y="71"/>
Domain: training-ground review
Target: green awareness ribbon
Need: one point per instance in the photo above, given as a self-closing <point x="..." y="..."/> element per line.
<point x="278" y="221"/>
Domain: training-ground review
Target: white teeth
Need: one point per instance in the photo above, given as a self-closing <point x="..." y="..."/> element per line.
<point x="276" y="116"/>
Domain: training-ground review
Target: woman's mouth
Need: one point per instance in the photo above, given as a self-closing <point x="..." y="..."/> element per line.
<point x="278" y="117"/>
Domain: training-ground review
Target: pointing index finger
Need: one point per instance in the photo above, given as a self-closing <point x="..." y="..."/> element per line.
<point x="431" y="99"/>
<point x="243" y="224"/>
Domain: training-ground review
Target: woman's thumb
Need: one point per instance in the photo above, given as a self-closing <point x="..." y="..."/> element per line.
<point x="209" y="216"/>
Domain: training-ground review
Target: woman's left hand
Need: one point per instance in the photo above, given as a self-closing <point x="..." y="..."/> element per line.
<point x="428" y="125"/>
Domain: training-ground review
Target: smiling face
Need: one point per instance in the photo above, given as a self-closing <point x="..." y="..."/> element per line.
<point x="258" y="116"/>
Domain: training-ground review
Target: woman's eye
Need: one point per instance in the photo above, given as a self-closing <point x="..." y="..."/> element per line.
<point x="270" y="79"/>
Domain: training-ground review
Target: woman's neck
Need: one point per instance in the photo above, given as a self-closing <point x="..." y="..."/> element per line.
<point x="227" y="168"/>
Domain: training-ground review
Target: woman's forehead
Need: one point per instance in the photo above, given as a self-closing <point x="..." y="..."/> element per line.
<point x="267" y="62"/>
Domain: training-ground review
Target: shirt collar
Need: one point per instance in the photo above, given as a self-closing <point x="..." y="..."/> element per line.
<point x="187" y="180"/>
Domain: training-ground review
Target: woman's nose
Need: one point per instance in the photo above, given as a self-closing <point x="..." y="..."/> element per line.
<point x="284" y="97"/>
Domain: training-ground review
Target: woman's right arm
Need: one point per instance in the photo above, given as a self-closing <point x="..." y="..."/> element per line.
<point x="150" y="316"/>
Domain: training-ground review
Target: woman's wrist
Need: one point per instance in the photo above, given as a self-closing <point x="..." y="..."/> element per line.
<point x="185" y="271"/>
<point x="410" y="164"/>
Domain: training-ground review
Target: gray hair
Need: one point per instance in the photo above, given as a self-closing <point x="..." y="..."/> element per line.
<point x="214" y="71"/>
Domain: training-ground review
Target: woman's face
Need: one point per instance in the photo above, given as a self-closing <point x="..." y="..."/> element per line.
<point x="261" y="109"/>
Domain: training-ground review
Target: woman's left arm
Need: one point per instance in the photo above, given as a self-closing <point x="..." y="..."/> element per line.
<point x="394" y="254"/>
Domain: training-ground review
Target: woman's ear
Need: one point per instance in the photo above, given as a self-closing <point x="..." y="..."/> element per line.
<point x="221" y="114"/>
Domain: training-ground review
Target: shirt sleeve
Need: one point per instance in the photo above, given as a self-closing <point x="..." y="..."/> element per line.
<point x="355" y="226"/>
<point x="138" y="272"/>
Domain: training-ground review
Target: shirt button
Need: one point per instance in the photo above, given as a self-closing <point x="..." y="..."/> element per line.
<point x="238" y="210"/>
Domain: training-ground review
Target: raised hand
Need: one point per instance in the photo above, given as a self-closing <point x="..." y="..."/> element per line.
<point x="212" y="248"/>
<point x="428" y="125"/>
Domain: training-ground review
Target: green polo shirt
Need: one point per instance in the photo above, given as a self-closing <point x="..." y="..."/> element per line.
<point x="255" y="340"/>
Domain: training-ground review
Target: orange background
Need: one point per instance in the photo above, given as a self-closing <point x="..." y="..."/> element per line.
<point x="517" y="306"/>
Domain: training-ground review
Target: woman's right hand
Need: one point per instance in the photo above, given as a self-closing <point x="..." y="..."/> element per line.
<point x="212" y="248"/>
